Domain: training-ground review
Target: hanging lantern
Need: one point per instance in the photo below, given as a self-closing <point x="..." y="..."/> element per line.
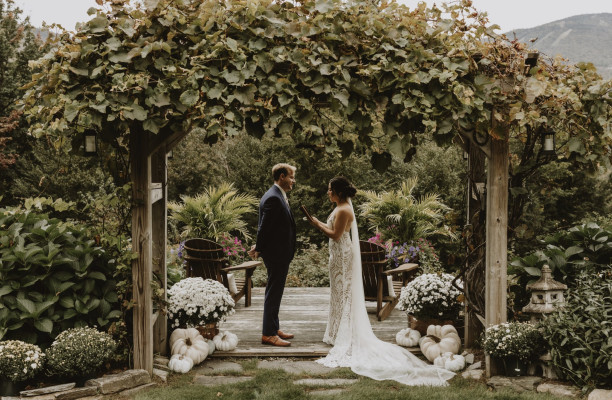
<point x="91" y="143"/>
<point x="548" y="142"/>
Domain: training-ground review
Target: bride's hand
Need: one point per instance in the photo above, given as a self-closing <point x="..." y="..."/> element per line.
<point x="315" y="222"/>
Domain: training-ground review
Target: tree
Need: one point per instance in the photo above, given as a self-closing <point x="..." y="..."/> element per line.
<point x="18" y="45"/>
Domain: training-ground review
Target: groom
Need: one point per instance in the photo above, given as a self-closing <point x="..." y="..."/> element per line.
<point x="276" y="245"/>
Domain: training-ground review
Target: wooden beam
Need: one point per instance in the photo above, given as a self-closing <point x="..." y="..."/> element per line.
<point x="477" y="142"/>
<point x="159" y="228"/>
<point x="142" y="246"/>
<point x="167" y="139"/>
<point x="497" y="239"/>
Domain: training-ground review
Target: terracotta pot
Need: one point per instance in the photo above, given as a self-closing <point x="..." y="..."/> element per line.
<point x="209" y="331"/>
<point x="422" y="323"/>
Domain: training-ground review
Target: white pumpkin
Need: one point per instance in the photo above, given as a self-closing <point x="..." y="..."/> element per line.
<point x="180" y="363"/>
<point x="440" y="339"/>
<point x="456" y="362"/>
<point x="408" y="337"/>
<point x="211" y="346"/>
<point x="450" y="361"/>
<point x="190" y="344"/>
<point x="182" y="334"/>
<point x="225" y="341"/>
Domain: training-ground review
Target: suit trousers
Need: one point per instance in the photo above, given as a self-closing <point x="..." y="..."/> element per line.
<point x="277" y="276"/>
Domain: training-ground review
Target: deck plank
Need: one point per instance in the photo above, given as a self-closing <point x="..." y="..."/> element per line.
<point x="304" y="313"/>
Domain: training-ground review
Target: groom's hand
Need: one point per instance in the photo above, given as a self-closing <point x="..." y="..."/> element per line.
<point x="252" y="253"/>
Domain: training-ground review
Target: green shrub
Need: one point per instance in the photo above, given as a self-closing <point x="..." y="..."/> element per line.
<point x="580" y="335"/>
<point x="586" y="247"/>
<point x="53" y="276"/>
<point x="79" y="353"/>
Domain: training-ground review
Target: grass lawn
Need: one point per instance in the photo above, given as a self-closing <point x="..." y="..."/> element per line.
<point x="278" y="385"/>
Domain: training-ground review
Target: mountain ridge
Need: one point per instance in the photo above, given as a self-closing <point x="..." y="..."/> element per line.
<point x="579" y="38"/>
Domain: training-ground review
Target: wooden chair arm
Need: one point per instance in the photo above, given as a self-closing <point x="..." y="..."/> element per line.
<point x="244" y="266"/>
<point x="408" y="267"/>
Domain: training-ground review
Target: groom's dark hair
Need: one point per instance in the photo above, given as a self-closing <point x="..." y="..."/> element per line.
<point x="281" y="169"/>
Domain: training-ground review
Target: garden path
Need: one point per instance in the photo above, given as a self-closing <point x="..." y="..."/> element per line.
<point x="304" y="313"/>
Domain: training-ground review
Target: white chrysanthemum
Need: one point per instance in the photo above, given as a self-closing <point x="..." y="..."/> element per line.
<point x="195" y="301"/>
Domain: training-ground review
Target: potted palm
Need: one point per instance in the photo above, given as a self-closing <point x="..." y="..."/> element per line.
<point x="213" y="213"/>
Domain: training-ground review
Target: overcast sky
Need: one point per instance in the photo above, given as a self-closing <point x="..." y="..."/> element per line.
<point x="508" y="14"/>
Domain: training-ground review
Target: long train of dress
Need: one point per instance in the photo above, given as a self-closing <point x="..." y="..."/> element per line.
<point x="349" y="329"/>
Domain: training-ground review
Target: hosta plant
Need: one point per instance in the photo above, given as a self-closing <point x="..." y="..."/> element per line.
<point x="20" y="361"/>
<point x="79" y="352"/>
<point x="53" y="276"/>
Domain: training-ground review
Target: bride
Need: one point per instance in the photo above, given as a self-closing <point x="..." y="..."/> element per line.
<point x="348" y="326"/>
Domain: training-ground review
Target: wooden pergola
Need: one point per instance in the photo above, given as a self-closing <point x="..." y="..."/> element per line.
<point x="149" y="227"/>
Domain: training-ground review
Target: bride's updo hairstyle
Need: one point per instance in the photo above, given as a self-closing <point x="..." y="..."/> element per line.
<point x="342" y="187"/>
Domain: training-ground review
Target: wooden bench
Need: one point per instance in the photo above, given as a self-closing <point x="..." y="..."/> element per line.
<point x="375" y="281"/>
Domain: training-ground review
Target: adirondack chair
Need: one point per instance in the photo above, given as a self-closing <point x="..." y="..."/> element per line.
<point x="207" y="260"/>
<point x="375" y="281"/>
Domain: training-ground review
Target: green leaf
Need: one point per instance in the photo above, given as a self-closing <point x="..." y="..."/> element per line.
<point x="97" y="275"/>
<point x="190" y="97"/>
<point x="342" y="96"/>
<point x="6" y="289"/>
<point x="79" y="71"/>
<point x="26" y="305"/>
<point x="71" y="111"/>
<point x="381" y="161"/>
<point x="151" y="125"/>
<point x="136" y="112"/>
<point x="114" y="314"/>
<point x="44" y="325"/>
<point x="231" y="44"/>
<point x="120" y="57"/>
<point x="151" y="5"/>
<point x="66" y="302"/>
<point x="97" y="24"/>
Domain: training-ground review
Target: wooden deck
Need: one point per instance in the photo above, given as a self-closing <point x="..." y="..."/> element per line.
<point x="304" y="313"/>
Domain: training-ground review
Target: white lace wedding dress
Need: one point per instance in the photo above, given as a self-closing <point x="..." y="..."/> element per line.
<point x="349" y="330"/>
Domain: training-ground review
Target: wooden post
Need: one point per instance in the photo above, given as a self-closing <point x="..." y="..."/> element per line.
<point x="142" y="246"/>
<point x="497" y="236"/>
<point x="159" y="230"/>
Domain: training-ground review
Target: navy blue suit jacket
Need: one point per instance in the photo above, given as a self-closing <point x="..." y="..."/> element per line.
<point x="276" y="228"/>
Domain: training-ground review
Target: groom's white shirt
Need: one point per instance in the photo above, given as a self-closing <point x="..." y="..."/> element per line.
<point x="283" y="192"/>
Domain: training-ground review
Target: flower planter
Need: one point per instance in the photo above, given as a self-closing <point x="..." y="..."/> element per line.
<point x="422" y="323"/>
<point x="514" y="366"/>
<point x="208" y="331"/>
<point x="10" y="388"/>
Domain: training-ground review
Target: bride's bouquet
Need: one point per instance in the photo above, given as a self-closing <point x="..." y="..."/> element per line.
<point x="195" y="301"/>
<point x="432" y="296"/>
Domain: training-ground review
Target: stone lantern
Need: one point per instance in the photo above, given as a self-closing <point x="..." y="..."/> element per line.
<point x="546" y="295"/>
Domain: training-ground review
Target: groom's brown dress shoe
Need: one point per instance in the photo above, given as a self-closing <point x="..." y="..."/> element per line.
<point x="275" y="341"/>
<point x="284" y="335"/>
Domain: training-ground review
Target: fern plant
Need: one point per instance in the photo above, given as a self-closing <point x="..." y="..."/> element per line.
<point x="399" y="215"/>
<point x="216" y="211"/>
